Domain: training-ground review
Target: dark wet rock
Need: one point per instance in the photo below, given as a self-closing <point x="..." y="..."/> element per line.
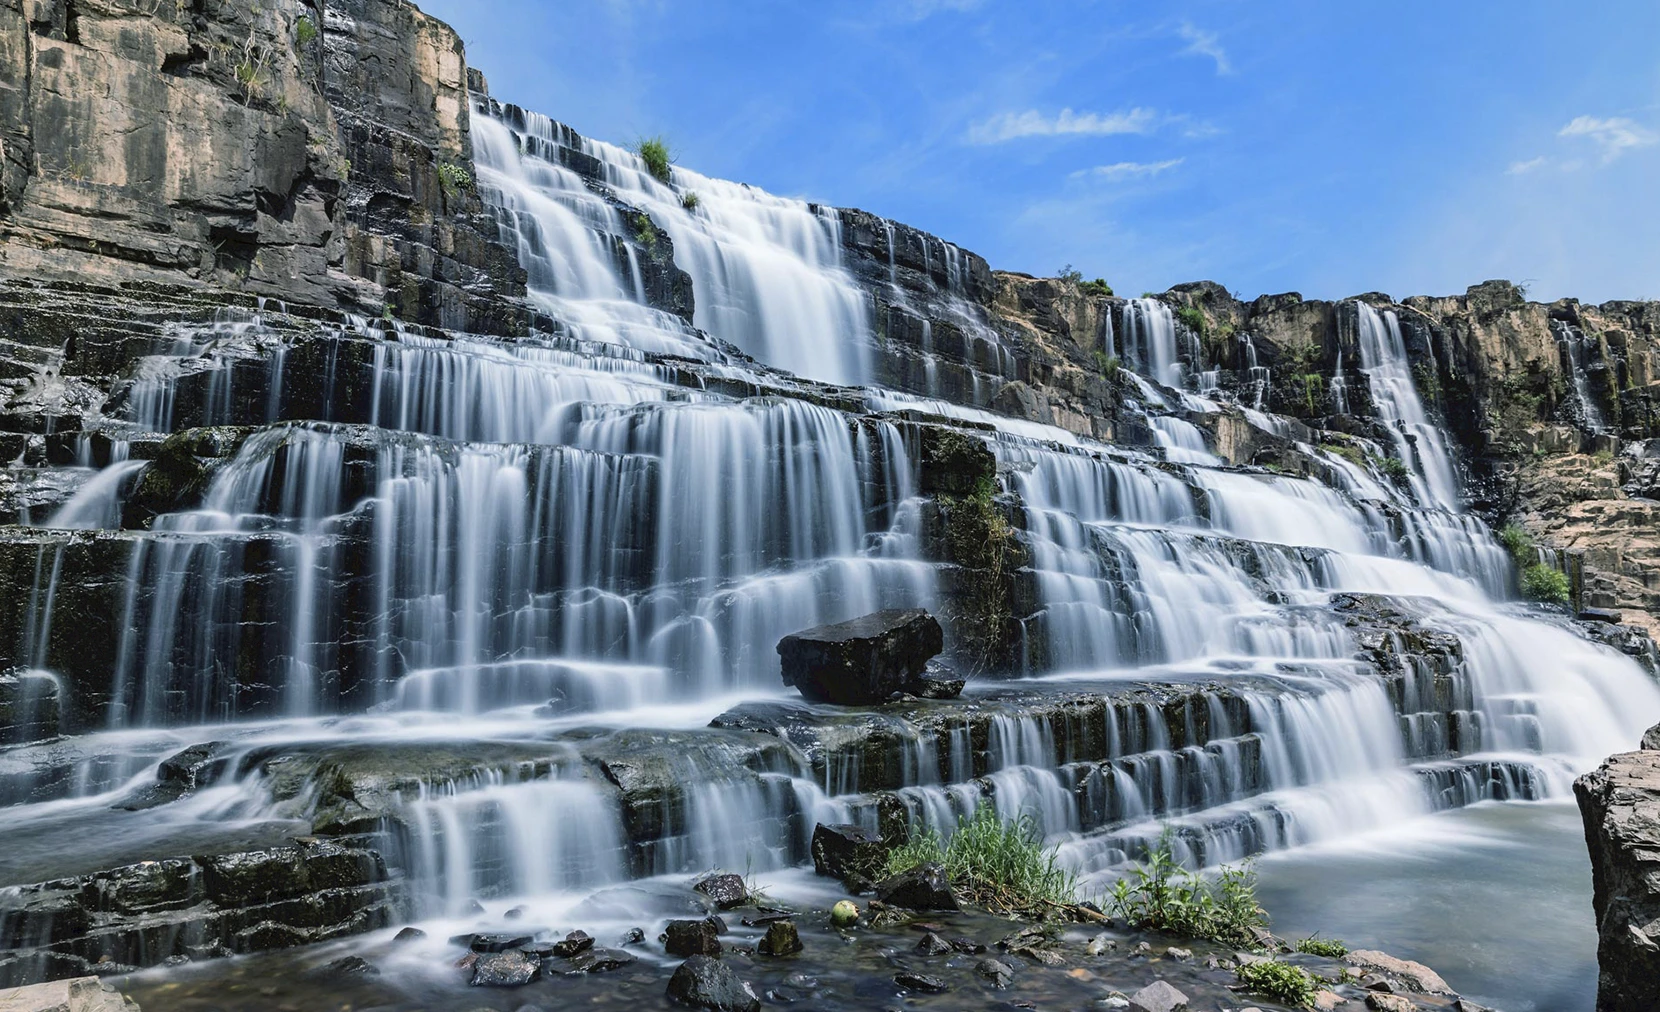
<point x="1466" y="1005"/>
<point x="353" y="965"/>
<point x="861" y="662"/>
<point x="1605" y="615"/>
<point x="912" y="981"/>
<point x="724" y="891"/>
<point x="937" y="681"/>
<point x="409" y="934"/>
<point x="633" y="936"/>
<point x="496" y="942"/>
<point x="516" y="914"/>
<point x="600" y="961"/>
<point x="782" y="939"/>
<point x="933" y="945"/>
<point x="692" y="938"/>
<point x="1159" y="996"/>
<point x="843" y="851"/>
<point x="706" y="983"/>
<point x="1620" y="804"/>
<point x="967" y="946"/>
<point x="925" y="887"/>
<point x="574" y="943"/>
<point x="999" y="973"/>
<point x="953" y="462"/>
<point x="762" y="920"/>
<point x="505" y="969"/>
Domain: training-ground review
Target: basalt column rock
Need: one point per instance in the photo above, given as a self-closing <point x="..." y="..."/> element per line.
<point x="1620" y="803"/>
<point x="863" y="661"/>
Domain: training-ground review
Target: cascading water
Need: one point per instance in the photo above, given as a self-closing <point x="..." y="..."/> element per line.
<point x="525" y="554"/>
<point x="1419" y="443"/>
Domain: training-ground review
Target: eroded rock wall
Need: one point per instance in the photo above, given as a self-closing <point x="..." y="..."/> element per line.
<point x="1621" y="806"/>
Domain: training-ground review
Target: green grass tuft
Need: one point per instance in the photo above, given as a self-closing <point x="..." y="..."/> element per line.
<point x="1194" y="319"/>
<point x="1280" y="981"/>
<point x="1161" y="896"/>
<point x="1001" y="866"/>
<point x="1331" y="948"/>
<point x="654" y="151"/>
<point x="1395" y="469"/>
<point x="690" y="200"/>
<point x="305" y="31"/>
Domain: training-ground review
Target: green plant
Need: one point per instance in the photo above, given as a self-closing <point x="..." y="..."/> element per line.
<point x="1149" y="295"/>
<point x="689" y="200"/>
<point x="1519" y="543"/>
<point x="1546" y="583"/>
<point x="1097" y="289"/>
<point x="1106" y="365"/>
<point x="1162" y="896"/>
<point x="979" y="540"/>
<point x="1001" y="866"/>
<point x="1282" y="982"/>
<point x="1070" y="275"/>
<point x="645" y="234"/>
<point x="454" y="179"/>
<point x="1194" y="319"/>
<point x="1428" y="381"/>
<point x="1331" y="948"/>
<point x="1395" y="469"/>
<point x="654" y="151"/>
<point x="305" y="31"/>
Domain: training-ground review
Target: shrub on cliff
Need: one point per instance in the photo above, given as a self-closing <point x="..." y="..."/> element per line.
<point x="1543" y="583"/>
<point x="1000" y="866"/>
<point x="1161" y="896"/>
<point x="654" y="151"/>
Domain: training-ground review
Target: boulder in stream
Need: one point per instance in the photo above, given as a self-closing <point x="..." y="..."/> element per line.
<point x="725" y="891"/>
<point x="925" y="887"/>
<point x="706" y="983"/>
<point x="864" y="661"/>
<point x="845" y="852"/>
<point x="1159" y="996"/>
<point x="505" y="969"/>
<point x="692" y="938"/>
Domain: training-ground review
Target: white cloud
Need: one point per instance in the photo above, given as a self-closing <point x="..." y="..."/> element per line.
<point x="1010" y="126"/>
<point x="1522" y="168"/>
<point x="1128" y="170"/>
<point x="916" y="10"/>
<point x="1202" y="43"/>
<point x="1615" y="135"/>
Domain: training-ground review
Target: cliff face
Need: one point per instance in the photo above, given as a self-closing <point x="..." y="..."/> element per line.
<point x="289" y="149"/>
<point x="1621" y="806"/>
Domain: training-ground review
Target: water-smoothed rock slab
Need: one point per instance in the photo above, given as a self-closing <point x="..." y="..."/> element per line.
<point x="862" y="661"/>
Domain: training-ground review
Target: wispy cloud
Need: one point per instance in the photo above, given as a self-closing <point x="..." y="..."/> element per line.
<point x="1010" y="126"/>
<point x="1203" y="43"/>
<point x="1127" y="170"/>
<point x="1523" y="168"/>
<point x="916" y="10"/>
<point x="1615" y="135"/>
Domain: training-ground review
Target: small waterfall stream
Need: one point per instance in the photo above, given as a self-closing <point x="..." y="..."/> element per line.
<point x="556" y="560"/>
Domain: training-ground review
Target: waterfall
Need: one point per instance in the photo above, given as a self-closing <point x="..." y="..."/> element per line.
<point x="1573" y="343"/>
<point x="537" y="583"/>
<point x="1418" y="441"/>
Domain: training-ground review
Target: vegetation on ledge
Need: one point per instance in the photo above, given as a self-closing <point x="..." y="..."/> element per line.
<point x="1282" y="982"/>
<point x="1539" y="582"/>
<point x="1161" y="896"/>
<point x="1000" y="866"/>
<point x="654" y="151"/>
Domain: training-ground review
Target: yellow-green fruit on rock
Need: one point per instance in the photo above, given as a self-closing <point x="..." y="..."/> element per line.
<point x="844" y="914"/>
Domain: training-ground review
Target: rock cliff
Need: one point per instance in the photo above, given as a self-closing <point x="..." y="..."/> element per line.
<point x="1621" y="806"/>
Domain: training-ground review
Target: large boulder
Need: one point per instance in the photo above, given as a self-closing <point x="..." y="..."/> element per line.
<point x="1620" y="803"/>
<point x="925" y="887"/>
<point x="848" y="852"/>
<point x="863" y="661"/>
<point x="692" y="938"/>
<point x="706" y="983"/>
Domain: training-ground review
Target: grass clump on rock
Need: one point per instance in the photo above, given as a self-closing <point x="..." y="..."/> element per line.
<point x="1331" y="948"/>
<point x="1160" y="895"/>
<point x="654" y="151"/>
<point x="1000" y="866"/>
<point x="1282" y="982"/>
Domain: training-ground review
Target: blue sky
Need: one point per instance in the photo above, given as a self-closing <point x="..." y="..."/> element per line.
<point x="1328" y="148"/>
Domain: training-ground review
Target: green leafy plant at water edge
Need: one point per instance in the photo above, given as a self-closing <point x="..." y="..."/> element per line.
<point x="1001" y="866"/>
<point x="1162" y="896"/>
<point x="654" y="151"/>
<point x="1518" y="542"/>
<point x="1331" y="948"/>
<point x="1544" y="583"/>
<point x="1280" y="981"/>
